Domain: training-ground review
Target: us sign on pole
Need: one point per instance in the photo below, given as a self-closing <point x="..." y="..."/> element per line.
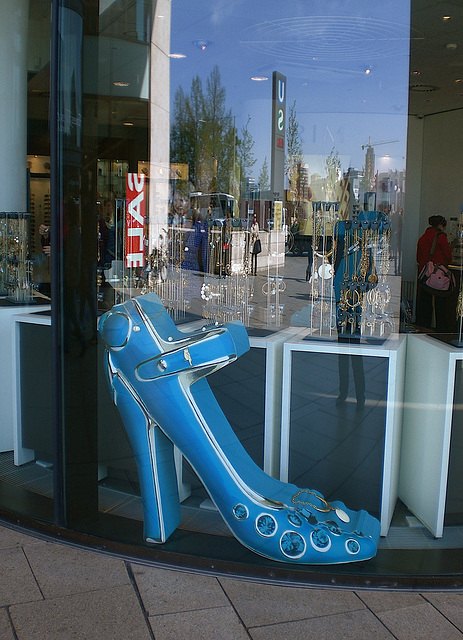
<point x="277" y="169"/>
<point x="135" y="220"/>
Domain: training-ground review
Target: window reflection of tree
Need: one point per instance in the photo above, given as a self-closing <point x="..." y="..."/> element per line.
<point x="203" y="134"/>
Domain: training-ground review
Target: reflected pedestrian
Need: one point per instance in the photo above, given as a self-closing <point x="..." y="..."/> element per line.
<point x="256" y="246"/>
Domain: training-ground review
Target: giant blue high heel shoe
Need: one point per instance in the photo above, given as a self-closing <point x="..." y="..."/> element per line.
<point x="157" y="376"/>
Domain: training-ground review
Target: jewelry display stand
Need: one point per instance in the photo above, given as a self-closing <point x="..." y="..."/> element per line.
<point x="15" y="266"/>
<point x="320" y="314"/>
<point x="228" y="299"/>
<point x="321" y="430"/>
<point x="362" y="289"/>
<point x="427" y="428"/>
<point x="349" y="288"/>
<point x="322" y="309"/>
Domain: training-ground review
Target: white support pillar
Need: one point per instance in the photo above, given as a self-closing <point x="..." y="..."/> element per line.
<point x="13" y="105"/>
<point x="160" y="122"/>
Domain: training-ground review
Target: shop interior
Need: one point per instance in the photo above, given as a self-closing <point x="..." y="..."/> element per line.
<point x="117" y="136"/>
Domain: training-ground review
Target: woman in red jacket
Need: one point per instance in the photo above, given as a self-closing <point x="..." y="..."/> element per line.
<point x="442" y="254"/>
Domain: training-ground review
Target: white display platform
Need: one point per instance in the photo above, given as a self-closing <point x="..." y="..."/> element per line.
<point x="393" y="350"/>
<point x="8" y="397"/>
<point x="273" y="345"/>
<point x="21" y="454"/>
<point x="427" y="426"/>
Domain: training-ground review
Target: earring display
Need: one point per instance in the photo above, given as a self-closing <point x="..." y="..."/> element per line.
<point x="15" y="265"/>
<point x="271" y="289"/>
<point x="165" y="276"/>
<point x="320" y="315"/>
<point x="348" y="274"/>
<point x="320" y="273"/>
<point x="208" y="262"/>
<point x="164" y="400"/>
<point x="274" y="285"/>
<point x="362" y="288"/>
<point x="228" y="299"/>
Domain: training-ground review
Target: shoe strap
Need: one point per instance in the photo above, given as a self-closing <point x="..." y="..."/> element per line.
<point x="211" y="350"/>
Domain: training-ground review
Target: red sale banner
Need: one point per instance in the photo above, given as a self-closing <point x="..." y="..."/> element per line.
<point x="135" y="220"/>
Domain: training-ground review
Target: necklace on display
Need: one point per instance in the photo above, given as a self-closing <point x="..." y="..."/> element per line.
<point x="342" y="515"/>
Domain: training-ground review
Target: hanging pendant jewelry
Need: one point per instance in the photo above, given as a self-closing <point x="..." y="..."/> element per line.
<point x="342" y="515"/>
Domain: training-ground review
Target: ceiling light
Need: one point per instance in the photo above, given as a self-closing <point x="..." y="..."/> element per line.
<point x="128" y="124"/>
<point x="121" y="83"/>
<point x="445" y="18"/>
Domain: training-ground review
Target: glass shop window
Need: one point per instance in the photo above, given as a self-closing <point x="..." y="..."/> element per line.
<point x="288" y="126"/>
<point x="304" y="130"/>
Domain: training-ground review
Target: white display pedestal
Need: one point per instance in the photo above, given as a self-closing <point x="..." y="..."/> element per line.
<point x="427" y="426"/>
<point x="273" y="346"/>
<point x="394" y="351"/>
<point x="8" y="395"/>
<point x="22" y="454"/>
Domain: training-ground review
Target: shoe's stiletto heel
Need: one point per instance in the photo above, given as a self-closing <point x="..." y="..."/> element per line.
<point x="158" y="373"/>
<point x="154" y="455"/>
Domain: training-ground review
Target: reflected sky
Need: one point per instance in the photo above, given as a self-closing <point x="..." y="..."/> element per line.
<point x="346" y="63"/>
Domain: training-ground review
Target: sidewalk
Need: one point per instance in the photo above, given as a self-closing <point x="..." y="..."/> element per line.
<point x="55" y="591"/>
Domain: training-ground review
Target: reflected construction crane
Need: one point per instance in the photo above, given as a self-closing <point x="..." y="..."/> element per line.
<point x="369" y="178"/>
<point x="376" y="144"/>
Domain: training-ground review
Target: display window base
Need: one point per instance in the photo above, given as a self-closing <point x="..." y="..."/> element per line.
<point x="408" y="558"/>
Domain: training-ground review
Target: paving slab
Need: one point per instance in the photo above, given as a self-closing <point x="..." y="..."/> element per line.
<point x="165" y="591"/>
<point x="422" y="621"/>
<point x="450" y="605"/>
<point x="6" y="631"/>
<point x="106" y="614"/>
<point x="389" y="600"/>
<point x="220" y="623"/>
<point x="356" y="625"/>
<point x="12" y="538"/>
<point x="64" y="570"/>
<point x="17" y="582"/>
<point x="261" y="604"/>
<point x="55" y="590"/>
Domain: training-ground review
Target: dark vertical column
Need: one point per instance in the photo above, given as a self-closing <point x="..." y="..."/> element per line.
<point x="73" y="257"/>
